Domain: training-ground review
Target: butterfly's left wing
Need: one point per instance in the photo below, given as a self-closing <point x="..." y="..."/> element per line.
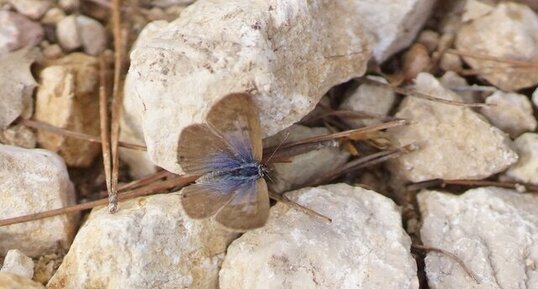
<point x="235" y="116"/>
<point x="248" y="208"/>
<point x="203" y="200"/>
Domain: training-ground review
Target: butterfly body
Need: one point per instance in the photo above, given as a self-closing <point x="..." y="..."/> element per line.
<point x="226" y="152"/>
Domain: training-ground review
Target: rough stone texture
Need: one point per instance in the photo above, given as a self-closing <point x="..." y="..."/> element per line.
<point x="493" y="231"/>
<point x="369" y="98"/>
<point x="68" y="98"/>
<point x="31" y="8"/>
<point x="364" y="246"/>
<point x="11" y="281"/>
<point x="474" y="9"/>
<point x="148" y="243"/>
<point x="34" y="181"/>
<point x="286" y="53"/>
<point x="17" y="31"/>
<point x="19" y="264"/>
<point x="510" y="31"/>
<point x="511" y="112"/>
<point x="535" y="98"/>
<point x="81" y="31"/>
<point x="454" y="142"/>
<point x="526" y="169"/>
<point x="18" y="135"/>
<point x="16" y="86"/>
<point x="393" y="24"/>
<point x="304" y="168"/>
<point x="53" y="16"/>
<point x="456" y="83"/>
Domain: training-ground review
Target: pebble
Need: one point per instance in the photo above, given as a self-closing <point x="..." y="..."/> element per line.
<point x="17" y="31"/>
<point x="31" y="8"/>
<point x="74" y="32"/>
<point x="526" y="169"/>
<point x="19" y="264"/>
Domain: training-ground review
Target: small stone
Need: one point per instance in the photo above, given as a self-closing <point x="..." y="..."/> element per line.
<point x="475" y="9"/>
<point x="430" y="39"/>
<point x="53" y="51"/>
<point x="369" y="98"/>
<point x="365" y="246"/>
<point x="11" y="281"/>
<point x="491" y="230"/>
<point x="159" y="247"/>
<point x="305" y="168"/>
<point x="415" y="60"/>
<point x="69" y="5"/>
<point x="535" y="98"/>
<point x="16" y="85"/>
<point x="509" y="31"/>
<point x="511" y="112"/>
<point x="19" y="264"/>
<point x="34" y="181"/>
<point x="459" y="85"/>
<point x="17" y="31"/>
<point x="392" y="24"/>
<point x="31" y="8"/>
<point x="70" y="85"/>
<point x="53" y="16"/>
<point x="286" y="70"/>
<point x="526" y="169"/>
<point x="18" y="135"/>
<point x="454" y="142"/>
<point x="451" y="62"/>
<point x="81" y="31"/>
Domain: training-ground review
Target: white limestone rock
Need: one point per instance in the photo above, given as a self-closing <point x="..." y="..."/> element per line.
<point x="304" y="168"/>
<point x="392" y="24"/>
<point x="454" y="142"/>
<point x="369" y="98"/>
<point x="526" y="169"/>
<point x="286" y="53"/>
<point x="19" y="264"/>
<point x="364" y="246"/>
<point x="509" y="31"/>
<point x="81" y="31"/>
<point x="493" y="231"/>
<point x="148" y="243"/>
<point x="17" y="31"/>
<point x="511" y="112"/>
<point x="34" y="181"/>
<point x="12" y="281"/>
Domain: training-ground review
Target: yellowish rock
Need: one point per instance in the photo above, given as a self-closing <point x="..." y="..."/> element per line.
<point x="12" y="281"/>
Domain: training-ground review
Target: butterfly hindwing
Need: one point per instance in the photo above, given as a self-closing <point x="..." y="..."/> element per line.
<point x="248" y="208"/>
<point x="236" y="117"/>
<point x="202" y="200"/>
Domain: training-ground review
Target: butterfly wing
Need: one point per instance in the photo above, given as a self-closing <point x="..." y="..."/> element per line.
<point x="201" y="151"/>
<point x="203" y="200"/>
<point x="248" y="208"/>
<point x="236" y="117"/>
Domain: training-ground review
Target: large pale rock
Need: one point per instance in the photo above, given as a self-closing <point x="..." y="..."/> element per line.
<point x="369" y="98"/>
<point x="149" y="243"/>
<point x="34" y="181"/>
<point x="19" y="264"/>
<point x="393" y="24"/>
<point x="16" y="85"/>
<point x="17" y="31"/>
<point x="510" y="31"/>
<point x="493" y="231"/>
<point x="286" y="53"/>
<point x="364" y="246"/>
<point x="454" y="142"/>
<point x="526" y="169"/>
<point x="304" y="168"/>
<point x="12" y="281"/>
<point x="511" y="112"/>
<point x="68" y="98"/>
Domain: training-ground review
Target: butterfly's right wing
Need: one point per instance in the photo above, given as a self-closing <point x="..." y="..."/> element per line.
<point x="201" y="151"/>
<point x="204" y="200"/>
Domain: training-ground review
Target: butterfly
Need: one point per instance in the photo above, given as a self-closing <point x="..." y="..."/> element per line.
<point x="226" y="153"/>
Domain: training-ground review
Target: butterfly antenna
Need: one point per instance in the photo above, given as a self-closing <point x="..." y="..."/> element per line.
<point x="279" y="145"/>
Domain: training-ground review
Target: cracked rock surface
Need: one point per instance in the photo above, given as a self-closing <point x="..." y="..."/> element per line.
<point x="493" y="231"/>
<point x="364" y="246"/>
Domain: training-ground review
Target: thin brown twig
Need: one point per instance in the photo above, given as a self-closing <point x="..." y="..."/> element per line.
<point x="514" y="62"/>
<point x="473" y="183"/>
<point x="153" y="188"/>
<point x="103" y="117"/>
<point x="74" y="134"/>
<point x="422" y="95"/>
<point x="451" y="256"/>
<point x="117" y="103"/>
<point x="283" y="199"/>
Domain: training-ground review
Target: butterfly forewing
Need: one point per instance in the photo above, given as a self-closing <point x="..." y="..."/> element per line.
<point x="201" y="151"/>
<point x="236" y="117"/>
<point x="204" y="200"/>
<point x="248" y="208"/>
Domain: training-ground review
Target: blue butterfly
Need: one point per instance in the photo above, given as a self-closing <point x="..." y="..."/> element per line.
<point x="226" y="153"/>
